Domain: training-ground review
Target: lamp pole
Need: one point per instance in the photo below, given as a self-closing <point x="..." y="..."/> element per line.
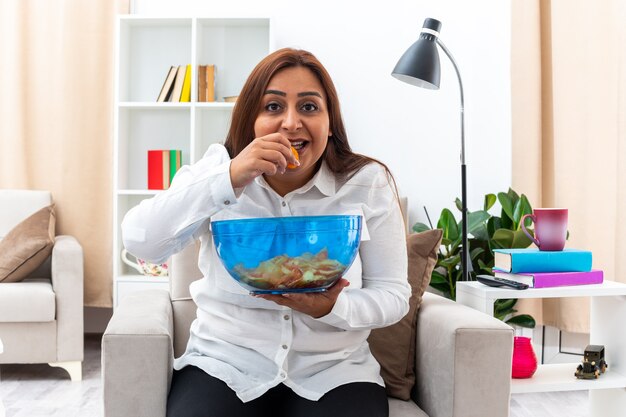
<point x="465" y="253"/>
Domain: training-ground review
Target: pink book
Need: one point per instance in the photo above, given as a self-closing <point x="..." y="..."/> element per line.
<point x="554" y="279"/>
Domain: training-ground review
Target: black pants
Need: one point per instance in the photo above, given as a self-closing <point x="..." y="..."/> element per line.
<point x="194" y="393"/>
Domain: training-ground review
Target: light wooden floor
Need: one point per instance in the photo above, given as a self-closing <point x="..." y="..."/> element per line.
<point x="43" y="391"/>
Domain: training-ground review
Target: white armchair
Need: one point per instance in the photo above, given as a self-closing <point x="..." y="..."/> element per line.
<point x="41" y="317"/>
<point x="463" y="357"/>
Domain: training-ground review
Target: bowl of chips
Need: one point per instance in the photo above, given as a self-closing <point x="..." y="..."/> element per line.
<point x="276" y="255"/>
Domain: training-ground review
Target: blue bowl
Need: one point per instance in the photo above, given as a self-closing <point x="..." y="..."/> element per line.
<point x="287" y="254"/>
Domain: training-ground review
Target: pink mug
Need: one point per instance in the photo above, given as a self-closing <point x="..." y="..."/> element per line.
<point x="550" y="228"/>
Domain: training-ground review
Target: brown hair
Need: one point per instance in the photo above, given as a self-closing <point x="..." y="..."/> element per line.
<point x="338" y="154"/>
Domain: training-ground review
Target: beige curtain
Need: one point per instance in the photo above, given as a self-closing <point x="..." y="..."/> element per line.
<point x="56" y="115"/>
<point x="569" y="130"/>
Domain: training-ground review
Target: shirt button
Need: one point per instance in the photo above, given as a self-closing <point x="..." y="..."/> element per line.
<point x="282" y="374"/>
<point x="226" y="202"/>
<point x="284" y="204"/>
<point x="285" y="346"/>
<point x="286" y="316"/>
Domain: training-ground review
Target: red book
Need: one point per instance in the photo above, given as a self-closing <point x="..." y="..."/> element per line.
<point x="155" y="170"/>
<point x="554" y="279"/>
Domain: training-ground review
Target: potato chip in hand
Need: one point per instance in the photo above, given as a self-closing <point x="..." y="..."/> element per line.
<point x="295" y="153"/>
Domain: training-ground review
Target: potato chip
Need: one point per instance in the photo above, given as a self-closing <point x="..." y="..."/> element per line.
<point x="295" y="153"/>
<point x="282" y="272"/>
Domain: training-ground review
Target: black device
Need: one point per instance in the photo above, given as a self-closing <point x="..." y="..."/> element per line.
<point x="500" y="282"/>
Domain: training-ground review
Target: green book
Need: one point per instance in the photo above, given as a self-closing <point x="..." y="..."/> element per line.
<point x="175" y="162"/>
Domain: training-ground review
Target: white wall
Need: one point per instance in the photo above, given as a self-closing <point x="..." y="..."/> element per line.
<point x="415" y="131"/>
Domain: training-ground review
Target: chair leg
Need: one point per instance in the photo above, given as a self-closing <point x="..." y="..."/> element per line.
<point x="75" y="369"/>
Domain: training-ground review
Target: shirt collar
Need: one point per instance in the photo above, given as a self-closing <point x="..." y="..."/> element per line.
<point x="323" y="180"/>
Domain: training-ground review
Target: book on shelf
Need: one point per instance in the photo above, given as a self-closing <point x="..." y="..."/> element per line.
<point x="166" y="89"/>
<point x="201" y="83"/>
<point x="553" y="279"/>
<point x="210" y="83"/>
<point x="185" y="95"/>
<point x="206" y="83"/>
<point x="534" y="260"/>
<point x="175" y="163"/>
<point x="178" y="84"/>
<point x="162" y="166"/>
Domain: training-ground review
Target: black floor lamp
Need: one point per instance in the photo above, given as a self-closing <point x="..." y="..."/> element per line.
<point x="419" y="66"/>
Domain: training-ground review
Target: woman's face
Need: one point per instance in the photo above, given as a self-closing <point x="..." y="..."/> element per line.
<point x="294" y="104"/>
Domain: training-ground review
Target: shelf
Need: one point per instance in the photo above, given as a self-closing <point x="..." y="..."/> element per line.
<point x="560" y="377"/>
<point x="148" y="193"/>
<point x="153" y="105"/>
<point x="234" y="22"/>
<point x="142" y="278"/>
<point x="146" y="48"/>
<point x="140" y="105"/>
<point x="149" y="21"/>
<point x="607" y="288"/>
<point x="215" y="104"/>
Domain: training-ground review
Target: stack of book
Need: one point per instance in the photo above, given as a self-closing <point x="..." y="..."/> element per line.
<point x="543" y="269"/>
<point x="162" y="165"/>
<point x="177" y="85"/>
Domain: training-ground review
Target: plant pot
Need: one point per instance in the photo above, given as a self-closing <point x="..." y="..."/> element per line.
<point x="524" y="358"/>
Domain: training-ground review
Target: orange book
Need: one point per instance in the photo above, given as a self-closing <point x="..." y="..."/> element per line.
<point x="210" y="83"/>
<point x="202" y="83"/>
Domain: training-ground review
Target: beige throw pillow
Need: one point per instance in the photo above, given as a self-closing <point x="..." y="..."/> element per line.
<point x="394" y="346"/>
<point x="27" y="245"/>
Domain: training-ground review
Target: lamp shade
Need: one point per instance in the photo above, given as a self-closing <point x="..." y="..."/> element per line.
<point x="419" y="65"/>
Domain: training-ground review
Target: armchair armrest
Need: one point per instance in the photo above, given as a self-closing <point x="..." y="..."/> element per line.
<point x="67" y="283"/>
<point x="137" y="356"/>
<point x="463" y="361"/>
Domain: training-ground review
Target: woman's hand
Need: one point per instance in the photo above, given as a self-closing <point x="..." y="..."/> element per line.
<point x="265" y="155"/>
<point x="315" y="304"/>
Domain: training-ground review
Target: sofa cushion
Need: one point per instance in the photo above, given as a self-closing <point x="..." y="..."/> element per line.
<point x="31" y="300"/>
<point x="27" y="245"/>
<point x="394" y="346"/>
<point x="399" y="408"/>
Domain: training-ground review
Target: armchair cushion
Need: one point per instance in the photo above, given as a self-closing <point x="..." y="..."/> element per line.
<point x="30" y="301"/>
<point x="394" y="346"/>
<point x="27" y="245"/>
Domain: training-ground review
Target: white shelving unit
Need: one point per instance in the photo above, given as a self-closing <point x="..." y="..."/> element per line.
<point x="607" y="394"/>
<point x="146" y="48"/>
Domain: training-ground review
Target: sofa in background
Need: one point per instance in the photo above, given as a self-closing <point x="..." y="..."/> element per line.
<point x="41" y="285"/>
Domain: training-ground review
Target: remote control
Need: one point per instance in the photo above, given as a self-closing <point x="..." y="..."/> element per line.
<point x="500" y="282"/>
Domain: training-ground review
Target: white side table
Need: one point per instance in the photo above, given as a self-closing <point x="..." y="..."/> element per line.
<point x="607" y="395"/>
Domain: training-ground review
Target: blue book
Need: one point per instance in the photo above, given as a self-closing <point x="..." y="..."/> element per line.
<point x="534" y="260"/>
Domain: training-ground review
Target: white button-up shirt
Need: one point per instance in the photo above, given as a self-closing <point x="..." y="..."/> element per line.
<point x="254" y="344"/>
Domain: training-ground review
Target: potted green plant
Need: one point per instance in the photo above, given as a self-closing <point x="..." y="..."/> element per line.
<point x="486" y="232"/>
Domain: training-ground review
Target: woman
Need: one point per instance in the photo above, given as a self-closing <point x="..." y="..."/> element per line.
<point x="285" y="355"/>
